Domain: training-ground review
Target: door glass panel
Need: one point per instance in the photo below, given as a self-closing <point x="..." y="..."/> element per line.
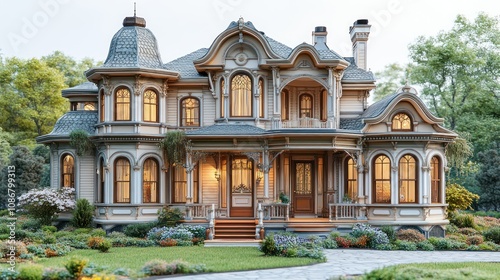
<point x="241" y="170"/>
<point x="303" y="178"/>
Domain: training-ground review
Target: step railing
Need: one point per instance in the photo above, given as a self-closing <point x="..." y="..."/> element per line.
<point x="211" y="222"/>
<point x="197" y="211"/>
<point x="339" y="211"/>
<point x="276" y="211"/>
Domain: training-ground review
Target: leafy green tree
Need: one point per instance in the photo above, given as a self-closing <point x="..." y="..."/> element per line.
<point x="72" y="70"/>
<point x="31" y="101"/>
<point x="459" y="69"/>
<point x="389" y="80"/>
<point x="459" y="198"/>
<point x="488" y="178"/>
<point x="5" y="149"/>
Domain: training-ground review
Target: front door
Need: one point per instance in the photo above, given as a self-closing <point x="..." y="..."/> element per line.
<point x="241" y="188"/>
<point x="303" y="187"/>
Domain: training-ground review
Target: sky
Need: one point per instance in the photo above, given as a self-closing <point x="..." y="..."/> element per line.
<point x="84" y="28"/>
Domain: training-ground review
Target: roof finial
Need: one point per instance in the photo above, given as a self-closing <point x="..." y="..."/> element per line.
<point x="134" y="9"/>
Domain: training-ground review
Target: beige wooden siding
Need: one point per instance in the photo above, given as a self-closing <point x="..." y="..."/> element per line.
<point x="209" y="185"/>
<point x="87" y="178"/>
<point x="171" y="110"/>
<point x="208" y="110"/>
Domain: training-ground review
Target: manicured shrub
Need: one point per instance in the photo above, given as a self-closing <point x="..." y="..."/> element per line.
<point x="425" y="246"/>
<point x="495" y="247"/>
<point x="459" y="198"/>
<point x="7" y="274"/>
<point x="406" y="245"/>
<point x="48" y="250"/>
<point x="31" y="272"/>
<point x="286" y="244"/>
<point x="390" y="232"/>
<point x="410" y="235"/>
<point x="83" y="214"/>
<point x="446" y="244"/>
<point x="94" y="241"/>
<point x="161" y="267"/>
<point x="485" y="247"/>
<point x="375" y="235"/>
<point x="492" y="234"/>
<point x="333" y="235"/>
<point x="473" y="248"/>
<point x="169" y="216"/>
<point x="98" y="232"/>
<point x="75" y="266"/>
<point x="386" y="247"/>
<point x="181" y="234"/>
<point x="31" y="225"/>
<point x="132" y="241"/>
<point x="82" y="231"/>
<point x="343" y="242"/>
<point x="451" y="228"/>
<point x="104" y="246"/>
<point x="197" y="231"/>
<point x="361" y="242"/>
<point x="51" y="229"/>
<point x="44" y="204"/>
<point x="329" y="244"/>
<point x="468" y="231"/>
<point x="56" y="273"/>
<point x="169" y="242"/>
<point x="5" y="246"/>
<point x="49" y="239"/>
<point x="116" y="234"/>
<point x="92" y="269"/>
<point x="474" y="240"/>
<point x="463" y="220"/>
<point x="138" y="230"/>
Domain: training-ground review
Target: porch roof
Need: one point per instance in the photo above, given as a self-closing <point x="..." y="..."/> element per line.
<point x="227" y="129"/>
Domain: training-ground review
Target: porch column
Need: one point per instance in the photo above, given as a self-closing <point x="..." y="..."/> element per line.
<point x="424" y="187"/>
<point x="338" y="95"/>
<point x="225" y="98"/>
<point x="394" y="184"/>
<point x="107" y="186"/>
<point x="136" y="187"/>
<point x="266" y="168"/>
<point x="361" y="189"/>
<point x="189" y="179"/>
<point x="276" y="91"/>
<point x="331" y="99"/>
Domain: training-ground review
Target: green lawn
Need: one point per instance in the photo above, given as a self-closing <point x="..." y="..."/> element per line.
<point x="216" y="259"/>
<point x="440" y="271"/>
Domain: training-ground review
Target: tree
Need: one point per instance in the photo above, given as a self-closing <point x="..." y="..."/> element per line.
<point x="459" y="69"/>
<point x="31" y="101"/>
<point x="28" y="171"/>
<point x="389" y="80"/>
<point x="488" y="178"/>
<point x="5" y="149"/>
<point x="459" y="198"/>
<point x="72" y="70"/>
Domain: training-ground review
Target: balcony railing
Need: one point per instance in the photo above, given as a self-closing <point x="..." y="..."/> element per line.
<point x="198" y="211"/>
<point x="276" y="211"/>
<point x="301" y="123"/>
<point x="340" y="211"/>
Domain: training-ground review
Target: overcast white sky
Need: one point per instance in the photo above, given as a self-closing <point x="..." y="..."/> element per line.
<point x="33" y="28"/>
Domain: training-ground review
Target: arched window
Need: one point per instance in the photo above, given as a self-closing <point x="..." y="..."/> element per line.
<point x="305" y="106"/>
<point x="179" y="190"/>
<point x="150" y="190"/>
<point x="284" y="105"/>
<point x="241" y="96"/>
<point x="122" y="105"/>
<point x="102" y="108"/>
<point x="436" y="180"/>
<point x="122" y="181"/>
<point x="68" y="171"/>
<point x="150" y="112"/>
<point x="408" y="188"/>
<point x="222" y="90"/>
<point x="261" y="99"/>
<point x="190" y="112"/>
<point x="351" y="180"/>
<point x="102" y="181"/>
<point x="402" y="122"/>
<point x="382" y="180"/>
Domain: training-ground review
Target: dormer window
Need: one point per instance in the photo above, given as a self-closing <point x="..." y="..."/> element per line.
<point x="402" y="122"/>
<point x="241" y="96"/>
<point x="122" y="105"/>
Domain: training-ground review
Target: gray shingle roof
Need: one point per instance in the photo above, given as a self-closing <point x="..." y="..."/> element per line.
<point x="329" y="54"/>
<point x="84" y="120"/>
<point x="133" y="46"/>
<point x="353" y="72"/>
<point x="279" y="48"/>
<point x="351" y="124"/>
<point x="227" y="129"/>
<point x="378" y="107"/>
<point x="184" y="65"/>
<point x="85" y="87"/>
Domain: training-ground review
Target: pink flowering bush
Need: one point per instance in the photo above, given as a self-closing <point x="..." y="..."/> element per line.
<point x="45" y="204"/>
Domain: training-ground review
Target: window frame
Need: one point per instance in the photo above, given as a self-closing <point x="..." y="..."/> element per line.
<point x="394" y="122"/>
<point x="123" y="105"/>
<point x="101" y="182"/>
<point x="436" y="182"/>
<point x="70" y="174"/>
<point x="407" y="179"/>
<point x="348" y="180"/>
<point x="375" y="179"/>
<point x="115" y="180"/>
<point x="249" y="98"/>
<point x="311" y="109"/>
<point x="174" y="181"/>
<point x="102" y="106"/>
<point x="156" y="169"/>
<point x="150" y="105"/>
<point x="183" y="112"/>
<point x="285" y="105"/>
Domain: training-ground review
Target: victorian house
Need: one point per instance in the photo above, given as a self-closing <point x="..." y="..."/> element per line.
<point x="262" y="119"/>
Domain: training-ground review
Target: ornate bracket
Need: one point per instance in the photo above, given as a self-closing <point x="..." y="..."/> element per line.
<point x="106" y="84"/>
<point x="137" y="85"/>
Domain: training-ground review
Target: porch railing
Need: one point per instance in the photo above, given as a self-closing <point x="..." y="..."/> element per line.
<point x="338" y="211"/>
<point x="197" y="211"/>
<point x="276" y="211"/>
<point x="300" y="123"/>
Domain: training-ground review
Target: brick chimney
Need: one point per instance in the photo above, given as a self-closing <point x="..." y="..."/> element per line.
<point x="319" y="38"/>
<point x="359" y="31"/>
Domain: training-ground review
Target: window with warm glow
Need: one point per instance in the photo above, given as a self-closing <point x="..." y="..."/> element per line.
<point x="241" y="96"/>
<point x="305" y="106"/>
<point x="351" y="180"/>
<point x="402" y="122"/>
<point x="150" y="106"/>
<point x="122" y="105"/>
<point x="179" y="190"/>
<point x="150" y="185"/>
<point x="241" y="175"/>
<point x="68" y="171"/>
<point x="122" y="181"/>
<point x="408" y="188"/>
<point x="435" y="180"/>
<point x="382" y="180"/>
<point x="190" y="112"/>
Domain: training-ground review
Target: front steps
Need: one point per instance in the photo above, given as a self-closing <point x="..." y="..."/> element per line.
<point x="235" y="229"/>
